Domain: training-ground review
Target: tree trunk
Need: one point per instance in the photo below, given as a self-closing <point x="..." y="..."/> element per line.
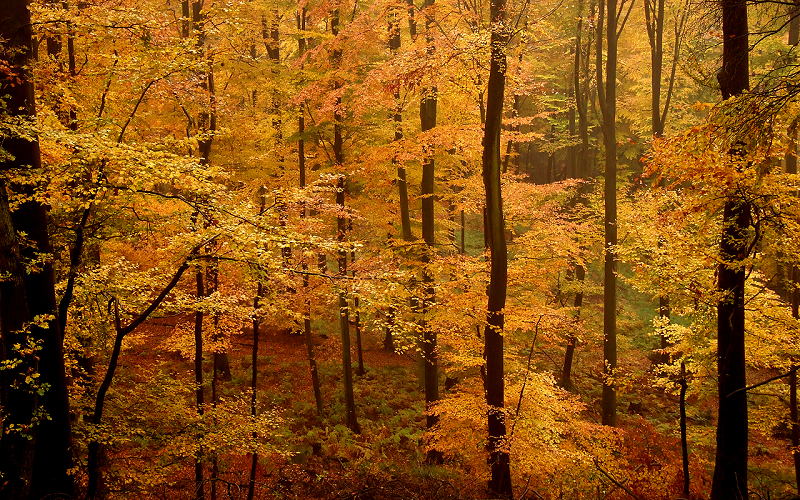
<point x="566" y="372"/>
<point x="730" y="467"/>
<point x="198" y="380"/>
<point x="427" y="113"/>
<point x="16" y="450"/>
<point x="95" y="446"/>
<point x="500" y="481"/>
<point x="684" y="442"/>
<point x="359" y="349"/>
<point x="251" y="483"/>
<point x="301" y="161"/>
<point x="52" y="458"/>
<point x="341" y="228"/>
<point x="608" y="105"/>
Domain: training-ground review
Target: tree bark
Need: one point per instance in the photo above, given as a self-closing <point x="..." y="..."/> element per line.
<point x="198" y="380"/>
<point x="730" y="467"/>
<point x="16" y="450"/>
<point x="427" y="113"/>
<point x="94" y="446"/>
<point x="608" y="105"/>
<point x="566" y="372"/>
<point x="341" y="229"/>
<point x="684" y="441"/>
<point x="251" y="482"/>
<point x="500" y="481"/>
<point x="52" y="458"/>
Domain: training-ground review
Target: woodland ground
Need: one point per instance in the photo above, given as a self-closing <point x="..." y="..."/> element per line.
<point x="386" y="461"/>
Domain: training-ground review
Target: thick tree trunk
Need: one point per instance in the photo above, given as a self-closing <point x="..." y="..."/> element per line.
<point x="730" y="467"/>
<point x="500" y="481"/>
<point x="16" y="450"/>
<point x="52" y="458"/>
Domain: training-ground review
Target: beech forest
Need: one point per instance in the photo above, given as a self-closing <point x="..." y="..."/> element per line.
<point x="399" y="249"/>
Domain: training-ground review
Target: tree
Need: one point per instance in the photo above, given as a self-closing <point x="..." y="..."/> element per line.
<point x="730" y="465"/>
<point x="427" y="114"/>
<point x="500" y="481"/>
<point x="607" y="95"/>
<point x="341" y="234"/>
<point x="52" y="458"/>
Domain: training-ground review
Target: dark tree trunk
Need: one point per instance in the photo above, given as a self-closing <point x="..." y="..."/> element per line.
<point x="427" y="113"/>
<point x="198" y="380"/>
<point x="795" y="425"/>
<point x="606" y="91"/>
<point x="95" y="446"/>
<point x="582" y="95"/>
<point x="301" y="161"/>
<point x="52" y="458"/>
<point x="566" y="372"/>
<point x="356" y="313"/>
<point x="684" y="441"/>
<point x="795" y="304"/>
<point x="402" y="185"/>
<point x="341" y="229"/>
<point x="500" y="481"/>
<point x="251" y="482"/>
<point x="16" y="450"/>
<point x="730" y="467"/>
<point x="793" y="294"/>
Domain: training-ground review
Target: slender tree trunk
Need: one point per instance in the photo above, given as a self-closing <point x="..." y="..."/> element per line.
<point x="795" y="425"/>
<point x="301" y="160"/>
<point x="251" y="483"/>
<point x="198" y="380"/>
<point x="402" y="184"/>
<point x="427" y="113"/>
<point x="359" y="349"/>
<point x="794" y="272"/>
<point x="608" y="100"/>
<point x="500" y="481"/>
<point x="344" y="323"/>
<point x="94" y="446"/>
<point x="730" y="467"/>
<point x="795" y="304"/>
<point x="684" y="441"/>
<point x="566" y="372"/>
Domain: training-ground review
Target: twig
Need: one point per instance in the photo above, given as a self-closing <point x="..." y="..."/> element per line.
<point x="627" y="490"/>
<point x="776" y="377"/>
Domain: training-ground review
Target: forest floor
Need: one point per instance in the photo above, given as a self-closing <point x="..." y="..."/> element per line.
<point x="324" y="460"/>
<point x="317" y="457"/>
